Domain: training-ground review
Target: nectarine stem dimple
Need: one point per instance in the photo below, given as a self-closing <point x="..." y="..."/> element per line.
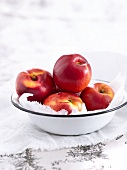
<point x="34" y="78"/>
<point x="70" y="100"/>
<point x="102" y="91"/>
<point x="79" y="63"/>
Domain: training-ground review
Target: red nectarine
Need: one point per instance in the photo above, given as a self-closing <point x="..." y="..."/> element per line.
<point x="64" y="100"/>
<point x="72" y="73"/>
<point x="97" y="97"/>
<point x="37" y="82"/>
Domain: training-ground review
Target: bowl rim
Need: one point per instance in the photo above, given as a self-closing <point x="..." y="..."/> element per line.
<point x="104" y="111"/>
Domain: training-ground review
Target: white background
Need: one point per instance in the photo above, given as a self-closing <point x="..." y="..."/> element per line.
<point x="34" y="33"/>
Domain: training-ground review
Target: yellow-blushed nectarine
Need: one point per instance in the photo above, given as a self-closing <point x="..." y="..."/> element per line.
<point x="36" y="81"/>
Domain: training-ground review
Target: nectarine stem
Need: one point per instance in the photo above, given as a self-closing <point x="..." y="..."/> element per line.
<point x="102" y="91"/>
<point x="70" y="100"/>
<point x="79" y="63"/>
<point x="34" y="78"/>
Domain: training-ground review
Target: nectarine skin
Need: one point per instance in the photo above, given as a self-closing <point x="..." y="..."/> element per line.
<point x="72" y="73"/>
<point x="37" y="82"/>
<point x="97" y="97"/>
<point x="64" y="100"/>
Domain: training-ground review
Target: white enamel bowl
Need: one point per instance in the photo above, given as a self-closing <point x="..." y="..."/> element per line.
<point x="71" y="124"/>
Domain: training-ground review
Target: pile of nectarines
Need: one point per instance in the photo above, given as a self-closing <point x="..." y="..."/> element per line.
<point x="67" y="87"/>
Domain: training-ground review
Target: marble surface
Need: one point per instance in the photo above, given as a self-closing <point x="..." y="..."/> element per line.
<point x="34" y="33"/>
<point x="109" y="156"/>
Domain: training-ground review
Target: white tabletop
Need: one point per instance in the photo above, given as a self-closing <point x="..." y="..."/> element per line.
<point x="34" y="34"/>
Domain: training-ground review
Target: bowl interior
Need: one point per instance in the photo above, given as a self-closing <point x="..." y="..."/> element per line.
<point x="15" y="102"/>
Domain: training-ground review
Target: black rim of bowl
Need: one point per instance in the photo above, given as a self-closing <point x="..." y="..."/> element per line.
<point x="17" y="105"/>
